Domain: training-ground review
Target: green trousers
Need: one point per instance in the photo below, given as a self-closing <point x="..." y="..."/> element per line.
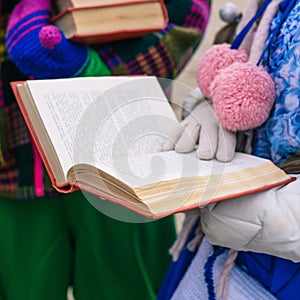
<point x="49" y="244"/>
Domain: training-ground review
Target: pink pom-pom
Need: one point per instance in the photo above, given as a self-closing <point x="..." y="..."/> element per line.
<point x="50" y="36"/>
<point x="242" y="95"/>
<point x="217" y="58"/>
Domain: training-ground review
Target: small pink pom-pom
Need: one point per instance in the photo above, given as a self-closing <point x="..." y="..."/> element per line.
<point x="242" y="95"/>
<point x="217" y="58"/>
<point x="50" y="36"/>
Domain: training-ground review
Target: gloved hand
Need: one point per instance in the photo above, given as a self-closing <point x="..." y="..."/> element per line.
<point x="265" y="222"/>
<point x="201" y="126"/>
<point x="40" y="50"/>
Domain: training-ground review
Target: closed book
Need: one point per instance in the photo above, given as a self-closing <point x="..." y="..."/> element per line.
<point x="61" y="5"/>
<point x="111" y="20"/>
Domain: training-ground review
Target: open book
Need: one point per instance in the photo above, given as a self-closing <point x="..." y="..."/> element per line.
<point x="104" y="135"/>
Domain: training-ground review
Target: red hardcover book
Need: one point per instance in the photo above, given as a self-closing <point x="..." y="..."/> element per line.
<point x="111" y="20"/>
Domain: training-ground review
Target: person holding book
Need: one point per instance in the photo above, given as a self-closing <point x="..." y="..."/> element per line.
<point x="51" y="241"/>
<point x="263" y="228"/>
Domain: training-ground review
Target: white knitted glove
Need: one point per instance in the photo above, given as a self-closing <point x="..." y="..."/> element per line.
<point x="202" y="127"/>
<point x="265" y="222"/>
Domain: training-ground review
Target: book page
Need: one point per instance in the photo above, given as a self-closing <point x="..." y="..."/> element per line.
<point x="103" y="120"/>
<point x="154" y="168"/>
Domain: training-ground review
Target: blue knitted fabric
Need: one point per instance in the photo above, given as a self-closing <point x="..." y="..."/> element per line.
<point x="279" y="137"/>
<point x="29" y="32"/>
<point x="202" y="278"/>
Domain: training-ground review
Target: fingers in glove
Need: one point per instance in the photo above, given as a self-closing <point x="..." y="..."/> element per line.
<point x="226" y="145"/>
<point x="188" y="139"/>
<point x="173" y="138"/>
<point x="208" y="142"/>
